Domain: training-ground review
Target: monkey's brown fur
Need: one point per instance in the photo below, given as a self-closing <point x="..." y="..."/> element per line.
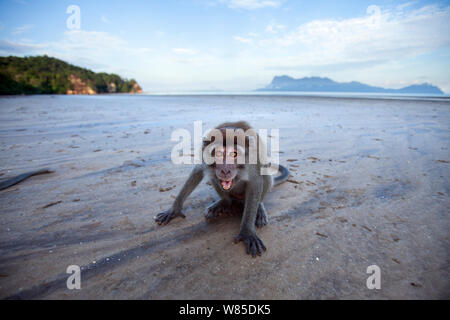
<point x="237" y="185"/>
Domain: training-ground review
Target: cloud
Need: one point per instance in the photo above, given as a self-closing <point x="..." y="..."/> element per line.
<point x="251" y="4"/>
<point x="379" y="35"/>
<point x="89" y="40"/>
<point x="14" y="47"/>
<point x="242" y="39"/>
<point x="404" y="5"/>
<point x="329" y="67"/>
<point x="22" y="29"/>
<point x="99" y="51"/>
<point x="104" y="19"/>
<point x="274" y="28"/>
<point x="160" y="33"/>
<point x="102" y="48"/>
<point x="93" y="44"/>
<point x="184" y="51"/>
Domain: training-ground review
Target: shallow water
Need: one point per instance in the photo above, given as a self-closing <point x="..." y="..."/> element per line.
<point x="370" y="184"/>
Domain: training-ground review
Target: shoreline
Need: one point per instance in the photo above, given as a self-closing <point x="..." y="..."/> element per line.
<point x="250" y="94"/>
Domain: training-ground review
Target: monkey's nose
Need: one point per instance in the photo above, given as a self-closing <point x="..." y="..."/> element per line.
<point x="225" y="172"/>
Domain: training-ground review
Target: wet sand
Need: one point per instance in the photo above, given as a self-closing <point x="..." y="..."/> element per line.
<point x="369" y="185"/>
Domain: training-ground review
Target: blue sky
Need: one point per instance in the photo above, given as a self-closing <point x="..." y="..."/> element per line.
<point x="238" y="44"/>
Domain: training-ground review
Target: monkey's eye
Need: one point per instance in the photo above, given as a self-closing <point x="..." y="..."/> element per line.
<point x="219" y="153"/>
<point x="233" y="154"/>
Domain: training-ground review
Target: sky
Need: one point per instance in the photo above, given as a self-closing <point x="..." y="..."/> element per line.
<point x="237" y="45"/>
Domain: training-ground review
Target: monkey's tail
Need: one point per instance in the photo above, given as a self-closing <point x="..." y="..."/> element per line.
<point x="13" y="181"/>
<point x="282" y="177"/>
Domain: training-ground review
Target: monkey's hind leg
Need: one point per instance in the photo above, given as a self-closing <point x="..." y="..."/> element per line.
<point x="261" y="216"/>
<point x="223" y="206"/>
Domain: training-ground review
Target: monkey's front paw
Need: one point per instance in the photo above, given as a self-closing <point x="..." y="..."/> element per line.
<point x="218" y="208"/>
<point x="166" y="216"/>
<point x="252" y="242"/>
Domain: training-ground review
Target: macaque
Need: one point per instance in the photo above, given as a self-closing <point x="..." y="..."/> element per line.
<point x="234" y="168"/>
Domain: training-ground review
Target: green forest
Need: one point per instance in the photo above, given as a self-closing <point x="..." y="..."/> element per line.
<point x="47" y="75"/>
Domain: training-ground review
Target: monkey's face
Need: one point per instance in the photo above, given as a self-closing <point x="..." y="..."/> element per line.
<point x="226" y="166"/>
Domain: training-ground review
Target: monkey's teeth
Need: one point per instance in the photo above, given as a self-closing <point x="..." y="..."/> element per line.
<point x="226" y="184"/>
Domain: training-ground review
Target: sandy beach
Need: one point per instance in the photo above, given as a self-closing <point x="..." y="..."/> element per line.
<point x="369" y="185"/>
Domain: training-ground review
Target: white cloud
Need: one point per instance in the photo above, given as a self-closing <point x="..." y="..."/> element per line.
<point x="251" y="4"/>
<point x="185" y="51"/>
<point x="89" y="40"/>
<point x="104" y="19"/>
<point x="242" y="39"/>
<point x="22" y="29"/>
<point x="99" y="51"/>
<point x="101" y="48"/>
<point x="404" y="5"/>
<point x="160" y="33"/>
<point x="16" y="47"/>
<point x="94" y="44"/>
<point x="274" y="28"/>
<point x="379" y="35"/>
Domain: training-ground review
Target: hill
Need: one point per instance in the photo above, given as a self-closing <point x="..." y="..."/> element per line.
<point x="317" y="84"/>
<point x="46" y="75"/>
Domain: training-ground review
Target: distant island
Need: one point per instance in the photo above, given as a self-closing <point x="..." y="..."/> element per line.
<point x="317" y="84"/>
<point x="46" y="75"/>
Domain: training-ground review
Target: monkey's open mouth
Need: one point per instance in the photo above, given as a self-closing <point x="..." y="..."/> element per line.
<point x="226" y="185"/>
